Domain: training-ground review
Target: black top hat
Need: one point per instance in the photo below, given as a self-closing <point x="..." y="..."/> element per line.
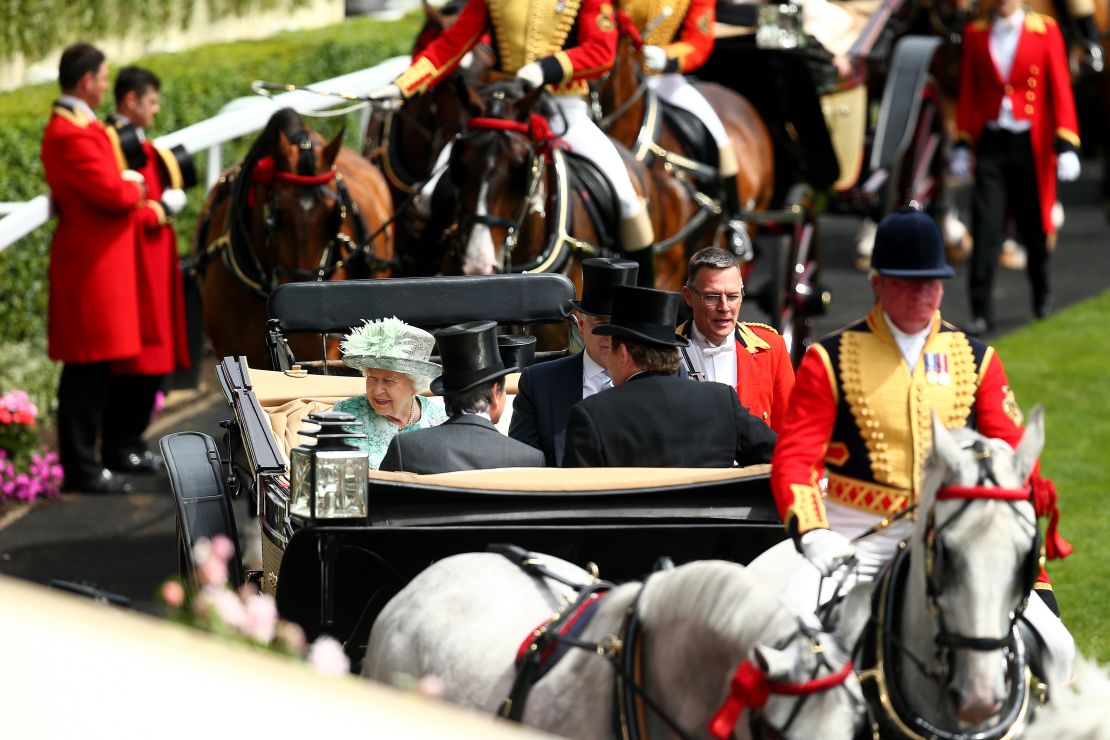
<point x="176" y="167"/>
<point x="468" y="353"/>
<point x="644" y="314"/>
<point x="517" y="350"/>
<point x="599" y="276"/>
<point x="130" y="140"/>
<point x="908" y="244"/>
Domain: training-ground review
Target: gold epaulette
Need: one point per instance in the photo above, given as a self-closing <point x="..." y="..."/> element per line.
<point x="1037" y="23"/>
<point x="768" y="327"/>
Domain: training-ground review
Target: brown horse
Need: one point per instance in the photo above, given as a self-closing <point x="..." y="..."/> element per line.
<point x="505" y="199"/>
<point x="296" y="208"/>
<point x="624" y="102"/>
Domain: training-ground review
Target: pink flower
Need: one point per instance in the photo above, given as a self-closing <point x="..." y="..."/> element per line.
<point x="173" y="594"/>
<point x="291" y="636"/>
<point x="327" y="657"/>
<point x="202" y="551"/>
<point x="260" y="621"/>
<point x="431" y="687"/>
<point x="213" y="572"/>
<point x="5" y="416"/>
<point x="224" y="604"/>
<point x="222" y="548"/>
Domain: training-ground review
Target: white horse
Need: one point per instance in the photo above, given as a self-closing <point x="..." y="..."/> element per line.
<point x="947" y="614"/>
<point x="465" y="617"/>
<point x="1078" y="712"/>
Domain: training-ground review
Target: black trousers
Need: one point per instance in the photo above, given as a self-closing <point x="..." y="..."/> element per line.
<point x="82" y="393"/>
<point x="1005" y="178"/>
<point x="130" y="401"/>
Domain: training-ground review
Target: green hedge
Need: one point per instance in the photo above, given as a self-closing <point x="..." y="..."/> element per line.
<point x="195" y="84"/>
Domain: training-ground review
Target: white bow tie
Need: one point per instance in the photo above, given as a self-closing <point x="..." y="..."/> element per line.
<point x="725" y="348"/>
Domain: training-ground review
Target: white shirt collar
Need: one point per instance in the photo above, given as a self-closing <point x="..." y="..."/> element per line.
<point x="703" y="341"/>
<point x="1010" y="23"/>
<point x="590" y="369"/>
<point x="75" y="102"/>
<point x="910" y="344"/>
<point x="483" y="414"/>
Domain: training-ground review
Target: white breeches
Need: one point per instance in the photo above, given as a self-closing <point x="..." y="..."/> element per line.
<point x="677" y="90"/>
<point x="875" y="551"/>
<point x="584" y="138"/>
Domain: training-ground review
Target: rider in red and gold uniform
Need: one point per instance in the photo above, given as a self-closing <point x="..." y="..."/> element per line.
<point x="1015" y="113"/>
<point x="678" y="38"/>
<point x="558" y="43"/>
<point x="862" y="409"/>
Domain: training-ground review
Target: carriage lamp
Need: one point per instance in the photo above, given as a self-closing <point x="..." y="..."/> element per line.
<point x="780" y="27"/>
<point x="329" y="480"/>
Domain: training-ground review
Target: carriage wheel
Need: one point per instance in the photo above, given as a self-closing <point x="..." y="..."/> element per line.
<point x="799" y="297"/>
<point x="921" y="171"/>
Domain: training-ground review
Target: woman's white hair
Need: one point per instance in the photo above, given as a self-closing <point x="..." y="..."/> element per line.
<point x="420" y="383"/>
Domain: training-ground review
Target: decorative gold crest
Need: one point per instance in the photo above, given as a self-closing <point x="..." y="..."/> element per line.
<point x="1010" y="406"/>
<point x="703" y="22"/>
<point x="605" y="17"/>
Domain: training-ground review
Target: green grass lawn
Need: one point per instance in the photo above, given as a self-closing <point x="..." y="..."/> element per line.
<point x="1062" y="363"/>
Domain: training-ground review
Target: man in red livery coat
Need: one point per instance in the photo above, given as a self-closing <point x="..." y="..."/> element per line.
<point x="136" y="381"/>
<point x="1016" y="112"/>
<point x="862" y="411"/>
<point x="95" y="315"/>
<point x="752" y="358"/>
<point x="678" y="39"/>
<point x="558" y="43"/>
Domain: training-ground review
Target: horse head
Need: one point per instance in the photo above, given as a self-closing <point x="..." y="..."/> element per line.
<point x="496" y="177"/>
<point x="618" y="91"/>
<point x="294" y="215"/>
<point x="974" y="556"/>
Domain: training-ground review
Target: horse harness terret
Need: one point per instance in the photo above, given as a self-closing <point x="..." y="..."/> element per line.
<point x="749" y="687"/>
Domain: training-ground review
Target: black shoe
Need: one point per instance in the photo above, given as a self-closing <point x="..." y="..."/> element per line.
<point x="1044" y="307"/>
<point x="106" y="482"/>
<point x="978" y="327"/>
<point x="143" y="461"/>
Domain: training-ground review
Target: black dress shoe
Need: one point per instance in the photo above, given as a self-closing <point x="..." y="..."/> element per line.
<point x="1044" y="307"/>
<point x="143" y="461"/>
<point x="106" y="482"/>
<point x="978" y="327"/>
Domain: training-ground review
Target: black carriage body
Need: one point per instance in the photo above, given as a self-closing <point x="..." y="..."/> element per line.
<point x="334" y="576"/>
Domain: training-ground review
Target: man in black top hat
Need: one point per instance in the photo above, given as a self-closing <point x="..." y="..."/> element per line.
<point x="546" y="391"/>
<point x="652" y="418"/>
<point x="473" y="389"/>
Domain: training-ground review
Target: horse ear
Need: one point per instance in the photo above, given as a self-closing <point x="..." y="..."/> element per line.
<point x="774" y="663"/>
<point x="331" y="150"/>
<point x="527" y="103"/>
<point x="1032" y="442"/>
<point x="469" y="97"/>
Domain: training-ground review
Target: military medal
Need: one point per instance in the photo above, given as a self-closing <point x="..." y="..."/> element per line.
<point x="942" y="376"/>
<point x="931" y="368"/>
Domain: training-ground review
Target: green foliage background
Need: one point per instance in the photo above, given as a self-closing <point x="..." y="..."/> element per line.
<point x="195" y="84"/>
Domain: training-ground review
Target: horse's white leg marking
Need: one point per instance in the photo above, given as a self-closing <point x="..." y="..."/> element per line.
<point x="479" y="258"/>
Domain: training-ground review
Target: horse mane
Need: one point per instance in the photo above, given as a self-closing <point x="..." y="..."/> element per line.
<point x="289" y="122"/>
<point x="723" y="596"/>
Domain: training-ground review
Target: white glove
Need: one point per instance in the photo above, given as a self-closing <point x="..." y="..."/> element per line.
<point x="960" y="163"/>
<point x="531" y="73"/>
<point x="655" y="58"/>
<point x="389" y="92"/>
<point x="173" y="200"/>
<point x="826" y="549"/>
<point x="1067" y="167"/>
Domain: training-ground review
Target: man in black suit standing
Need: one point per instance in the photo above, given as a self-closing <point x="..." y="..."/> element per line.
<point x="546" y="391"/>
<point x="652" y="418"/>
<point x="473" y="389"/>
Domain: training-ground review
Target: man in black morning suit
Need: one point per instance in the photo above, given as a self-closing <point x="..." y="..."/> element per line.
<point x="473" y="389"/>
<point x="545" y="392"/>
<point x="651" y="418"/>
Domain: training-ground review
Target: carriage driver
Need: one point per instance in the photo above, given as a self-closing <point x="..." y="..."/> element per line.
<point x="560" y="43"/>
<point x="678" y="38"/>
<point x="860" y="410"/>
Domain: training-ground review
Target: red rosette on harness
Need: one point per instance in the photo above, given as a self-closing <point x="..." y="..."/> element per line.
<point x="538" y="130"/>
<point x="265" y="171"/>
<point x="1045" y="504"/>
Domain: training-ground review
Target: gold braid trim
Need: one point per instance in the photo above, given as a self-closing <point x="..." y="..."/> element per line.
<point x="173" y="167"/>
<point x="1069" y="136"/>
<point x="665" y="32"/>
<point x="117" y="148"/>
<point x="868" y="496"/>
<point x="807" y="509"/>
<point x="416" y="78"/>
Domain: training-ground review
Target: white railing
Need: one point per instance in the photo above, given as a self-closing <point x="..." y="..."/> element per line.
<point x="241" y="117"/>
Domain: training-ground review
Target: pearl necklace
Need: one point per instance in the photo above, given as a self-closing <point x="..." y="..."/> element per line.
<point x="412" y="416"/>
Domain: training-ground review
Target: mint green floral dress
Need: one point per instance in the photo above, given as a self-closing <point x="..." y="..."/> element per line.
<point x="379" y="430"/>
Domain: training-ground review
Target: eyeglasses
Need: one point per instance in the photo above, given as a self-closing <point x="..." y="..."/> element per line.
<point x="713" y="299"/>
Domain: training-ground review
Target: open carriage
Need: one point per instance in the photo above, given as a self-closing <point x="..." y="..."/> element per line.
<point x="334" y="575"/>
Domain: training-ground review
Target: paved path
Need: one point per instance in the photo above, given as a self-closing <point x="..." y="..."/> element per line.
<point x="127" y="544"/>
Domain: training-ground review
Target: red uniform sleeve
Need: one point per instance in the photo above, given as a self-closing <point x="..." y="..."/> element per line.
<point x="593" y="55"/>
<point x="783" y="386"/>
<point x="443" y="54"/>
<point x="1063" y="102"/>
<point x="799" y="457"/>
<point x="694" y="43"/>
<point x="90" y="170"/>
<point x="965" y="102"/>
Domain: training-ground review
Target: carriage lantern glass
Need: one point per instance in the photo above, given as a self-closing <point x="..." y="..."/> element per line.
<point x="329" y="480"/>
<point x="780" y="27"/>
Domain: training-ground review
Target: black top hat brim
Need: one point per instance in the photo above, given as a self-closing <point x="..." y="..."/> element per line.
<point x="648" y="333"/>
<point x="465" y="382"/>
<point x="578" y="306"/>
<point x="942" y="273"/>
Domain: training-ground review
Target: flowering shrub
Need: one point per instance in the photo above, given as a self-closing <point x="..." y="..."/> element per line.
<point x="245" y="615"/>
<point x="26" y="473"/>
